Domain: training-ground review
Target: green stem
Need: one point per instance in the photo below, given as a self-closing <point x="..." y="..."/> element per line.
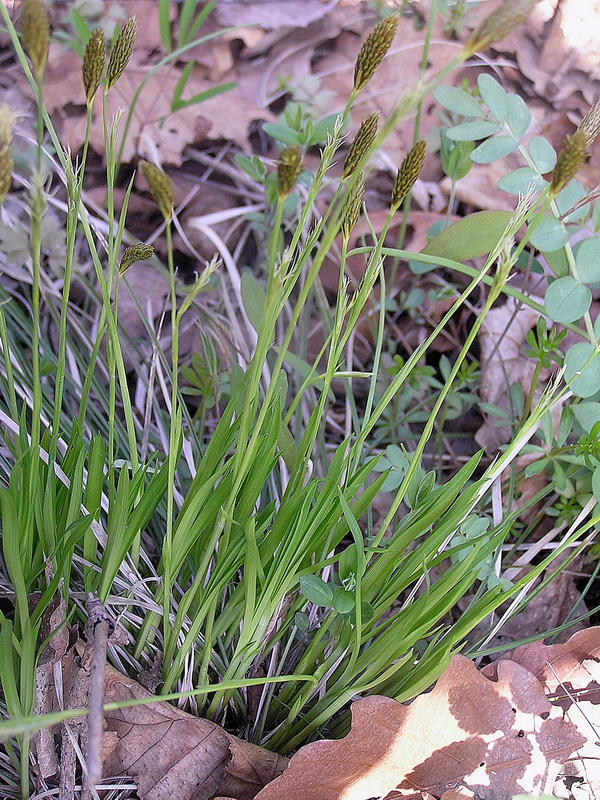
<point x="74" y="189"/>
<point x="174" y="435"/>
<point x="416" y="132"/>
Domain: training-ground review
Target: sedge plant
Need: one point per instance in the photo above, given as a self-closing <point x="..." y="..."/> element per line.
<point x="246" y="555"/>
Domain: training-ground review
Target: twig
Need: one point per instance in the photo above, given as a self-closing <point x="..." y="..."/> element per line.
<point x="100" y="627"/>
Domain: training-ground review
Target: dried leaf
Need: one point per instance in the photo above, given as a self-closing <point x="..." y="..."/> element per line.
<point x="496" y="738"/>
<point x="502" y="339"/>
<point x="570" y="676"/>
<point x="292" y="13"/>
<point x="172" y="754"/>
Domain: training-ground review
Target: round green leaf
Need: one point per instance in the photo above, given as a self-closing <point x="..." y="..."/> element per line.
<point x="301" y="621"/>
<point x="558" y="261"/>
<point x="494" y="97"/>
<point x="586" y="380"/>
<point x="549" y="235"/>
<point x="458" y="101"/>
<point x="367" y="613"/>
<point x="588" y="261"/>
<point x="570" y="196"/>
<point x="493" y="149"/>
<point x="419" y="268"/>
<point x="542" y="154"/>
<point x="316" y="590"/>
<point x="470" y="131"/>
<point x="349" y="563"/>
<point x="518" y="181"/>
<point x="567" y="300"/>
<point x="519" y="116"/>
<point x="586" y="414"/>
<point x="282" y="133"/>
<point x="397" y="457"/>
<point x="343" y="601"/>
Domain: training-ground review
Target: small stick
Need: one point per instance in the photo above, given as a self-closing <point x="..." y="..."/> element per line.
<point x="100" y="627"/>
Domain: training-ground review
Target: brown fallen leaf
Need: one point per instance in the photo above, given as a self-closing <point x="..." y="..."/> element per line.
<point x="502" y="338"/>
<point x="170" y="753"/>
<point x="269" y="15"/>
<point x="154" y="130"/>
<point x="570" y="676"/>
<point x="496" y="738"/>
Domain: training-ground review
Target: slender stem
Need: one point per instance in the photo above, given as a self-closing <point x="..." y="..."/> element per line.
<point x="416" y="131"/>
<point x="174" y="435"/>
<point x="74" y="189"/>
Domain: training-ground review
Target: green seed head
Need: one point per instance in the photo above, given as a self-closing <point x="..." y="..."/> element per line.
<point x="361" y="144"/>
<point x="35" y="31"/>
<point x="590" y="124"/>
<point x="136" y="252"/>
<point x="570" y="159"/>
<point x="504" y="19"/>
<point x="121" y="52"/>
<point x="161" y="188"/>
<point x="372" y="52"/>
<point x="288" y="170"/>
<point x="94" y="62"/>
<point x="353" y="207"/>
<point x="408" y="173"/>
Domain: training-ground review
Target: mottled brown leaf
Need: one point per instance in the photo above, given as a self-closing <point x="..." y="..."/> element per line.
<point x="500" y="737"/>
<point x="170" y="753"/>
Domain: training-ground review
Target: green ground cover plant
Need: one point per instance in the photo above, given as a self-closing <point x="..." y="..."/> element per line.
<point x="237" y="544"/>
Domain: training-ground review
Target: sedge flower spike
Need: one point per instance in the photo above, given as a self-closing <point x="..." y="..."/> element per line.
<point x="7" y="123"/>
<point x="94" y="62"/>
<point x="353" y="207"/>
<point x="161" y="188"/>
<point x="135" y="252"/>
<point x="35" y="32"/>
<point x="590" y="124"/>
<point x="121" y="52"/>
<point x="574" y="152"/>
<point x="288" y="170"/>
<point x="408" y="173"/>
<point x="372" y="53"/>
<point x="361" y="144"/>
<point x="499" y="23"/>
